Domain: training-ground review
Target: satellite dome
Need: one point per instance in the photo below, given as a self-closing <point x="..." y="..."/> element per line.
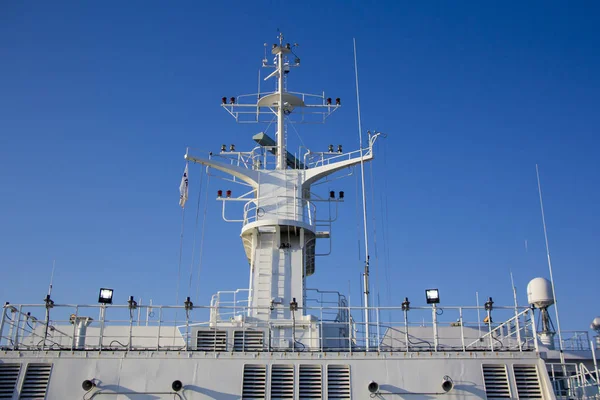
<point x="595" y="325"/>
<point x="539" y="293"/>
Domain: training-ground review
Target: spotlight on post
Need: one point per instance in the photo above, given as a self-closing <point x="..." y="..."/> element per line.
<point x="432" y="296"/>
<point x="105" y="296"/>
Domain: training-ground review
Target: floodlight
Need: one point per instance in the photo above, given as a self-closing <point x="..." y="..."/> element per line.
<point x="432" y="296"/>
<point x="105" y="296"/>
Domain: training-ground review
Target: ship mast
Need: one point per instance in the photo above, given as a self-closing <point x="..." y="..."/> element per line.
<point x="280" y="51"/>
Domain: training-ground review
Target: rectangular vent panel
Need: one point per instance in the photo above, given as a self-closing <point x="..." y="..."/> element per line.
<point x="282" y="381"/>
<point x="310" y="382"/>
<point x="495" y="379"/>
<point x="212" y="340"/>
<point x="338" y="382"/>
<point x="255" y="381"/>
<point x="9" y="375"/>
<point x="248" y="340"/>
<point x="528" y="382"/>
<point x="36" y="381"/>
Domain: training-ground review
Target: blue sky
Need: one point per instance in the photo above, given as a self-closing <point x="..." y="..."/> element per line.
<point x="98" y="102"/>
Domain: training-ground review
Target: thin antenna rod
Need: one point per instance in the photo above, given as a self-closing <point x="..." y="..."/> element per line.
<point x="364" y="204"/>
<point x="51" y="277"/>
<point x="560" y="342"/>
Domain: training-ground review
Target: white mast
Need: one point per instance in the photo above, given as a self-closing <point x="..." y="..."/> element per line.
<point x="280" y="51"/>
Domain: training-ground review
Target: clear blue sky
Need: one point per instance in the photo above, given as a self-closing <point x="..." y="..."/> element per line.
<point x="98" y="102"/>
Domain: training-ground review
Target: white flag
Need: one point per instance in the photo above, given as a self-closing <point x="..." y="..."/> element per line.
<point x="183" y="188"/>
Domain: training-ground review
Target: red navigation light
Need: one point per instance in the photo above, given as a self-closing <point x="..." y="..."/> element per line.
<point x="219" y="193"/>
<point x="228" y="193"/>
<point x="332" y="195"/>
<point x="232" y="100"/>
<point x="224" y="100"/>
<point x="329" y="101"/>
<point x="337" y="101"/>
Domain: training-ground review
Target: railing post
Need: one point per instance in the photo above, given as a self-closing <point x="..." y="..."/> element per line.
<point x="595" y="365"/>
<point x="102" y="319"/>
<point x="435" y="327"/>
<point x="74" y="327"/>
<point x="349" y="330"/>
<point x="462" y="330"/>
<point x="378" y="331"/>
<point x="518" y="326"/>
<point x="489" y="322"/>
<point x="2" y="323"/>
<point x="159" y="325"/>
<point x="406" y="342"/>
<point x="535" y="339"/>
<point x="16" y="341"/>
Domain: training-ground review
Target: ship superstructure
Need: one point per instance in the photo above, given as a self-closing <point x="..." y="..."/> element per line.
<point x="278" y="339"/>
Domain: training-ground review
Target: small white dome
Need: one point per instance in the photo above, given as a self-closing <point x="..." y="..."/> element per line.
<point x="539" y="293"/>
<point x="595" y="325"/>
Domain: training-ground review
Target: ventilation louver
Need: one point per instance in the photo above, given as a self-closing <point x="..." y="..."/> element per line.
<point x="212" y="340"/>
<point x="528" y="382"/>
<point x="36" y="382"/>
<point x="9" y="375"/>
<point x="310" y="382"/>
<point x="495" y="379"/>
<point x="255" y="381"/>
<point x="248" y="340"/>
<point x="338" y="382"/>
<point x="282" y="381"/>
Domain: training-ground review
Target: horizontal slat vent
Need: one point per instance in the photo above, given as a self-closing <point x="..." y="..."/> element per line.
<point x="9" y="375"/>
<point x="310" y="382"/>
<point x="212" y="340"/>
<point x="528" y="382"/>
<point x="248" y="340"/>
<point x="338" y="382"/>
<point x="36" y="381"/>
<point x="496" y="381"/>
<point x="282" y="381"/>
<point x="255" y="381"/>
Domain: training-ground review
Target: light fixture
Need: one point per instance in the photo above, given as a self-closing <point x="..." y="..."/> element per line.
<point x="338" y="101"/>
<point x="339" y="148"/>
<point x="332" y="195"/>
<point x="341" y="195"/>
<point x="232" y="100"/>
<point x="224" y="100"/>
<point x="373" y="387"/>
<point x="176" y="385"/>
<point x="88" y="385"/>
<point x="228" y="193"/>
<point x="105" y="296"/>
<point x="406" y="304"/>
<point x="293" y="305"/>
<point x="232" y="147"/>
<point x="432" y="296"/>
<point x="329" y="101"/>
<point x="188" y="304"/>
<point x="447" y="384"/>
<point x="132" y="303"/>
<point x="331" y="148"/>
<point x="223" y="147"/>
<point x="219" y="193"/>
<point x="489" y="304"/>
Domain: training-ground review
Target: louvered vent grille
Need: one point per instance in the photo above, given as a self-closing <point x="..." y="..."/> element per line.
<point x="36" y="381"/>
<point x="211" y="340"/>
<point x="9" y="375"/>
<point x="255" y="381"/>
<point x="528" y="382"/>
<point x="496" y="381"/>
<point x="338" y="382"/>
<point x="311" y="379"/>
<point x="248" y="340"/>
<point x="282" y="381"/>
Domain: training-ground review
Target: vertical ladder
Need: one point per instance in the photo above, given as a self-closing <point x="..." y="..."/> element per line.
<point x="264" y="271"/>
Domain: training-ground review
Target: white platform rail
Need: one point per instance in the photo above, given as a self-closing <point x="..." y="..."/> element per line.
<point x="322" y="328"/>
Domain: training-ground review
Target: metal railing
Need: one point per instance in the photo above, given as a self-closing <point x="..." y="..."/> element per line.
<point x="317" y="328"/>
<point x="573" y="381"/>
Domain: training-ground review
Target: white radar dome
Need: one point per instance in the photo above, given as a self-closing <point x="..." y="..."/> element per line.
<point x="539" y="293"/>
<point x="595" y="325"/>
